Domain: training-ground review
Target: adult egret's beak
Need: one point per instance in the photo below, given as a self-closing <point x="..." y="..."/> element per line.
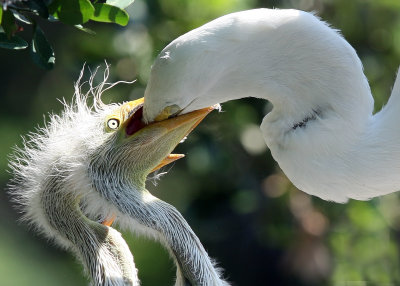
<point x="168" y="112"/>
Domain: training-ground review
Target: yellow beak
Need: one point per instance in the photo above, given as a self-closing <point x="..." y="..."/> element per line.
<point x="135" y="128"/>
<point x="193" y="118"/>
<point x="167" y="160"/>
<point x="134" y="125"/>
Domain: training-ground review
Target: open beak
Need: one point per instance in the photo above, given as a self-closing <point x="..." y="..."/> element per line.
<point x="164" y="134"/>
<point x="186" y="122"/>
<point x="167" y="160"/>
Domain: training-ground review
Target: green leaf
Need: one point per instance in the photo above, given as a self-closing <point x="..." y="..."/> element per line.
<point x="22" y="18"/>
<point x="41" y="52"/>
<point x="1" y="13"/>
<point x="38" y="7"/>
<point x="14" y="43"/>
<point x="8" y="23"/>
<point x="109" y="14"/>
<point x="120" y="3"/>
<point x="72" y="12"/>
<point x="84" y="29"/>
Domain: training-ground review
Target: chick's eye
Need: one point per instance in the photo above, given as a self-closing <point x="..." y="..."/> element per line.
<point x="113" y="123"/>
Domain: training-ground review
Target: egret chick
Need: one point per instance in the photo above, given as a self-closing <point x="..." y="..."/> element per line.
<point x="87" y="167"/>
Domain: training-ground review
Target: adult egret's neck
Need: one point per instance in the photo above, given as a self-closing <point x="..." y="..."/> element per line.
<point x="288" y="57"/>
<point x="145" y="214"/>
<point x="373" y="164"/>
<point x="321" y="129"/>
<point x="338" y="157"/>
<point x="103" y="252"/>
<point x="322" y="104"/>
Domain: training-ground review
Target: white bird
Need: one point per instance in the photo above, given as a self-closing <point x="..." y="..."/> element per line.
<point x="321" y="130"/>
<point x="87" y="167"/>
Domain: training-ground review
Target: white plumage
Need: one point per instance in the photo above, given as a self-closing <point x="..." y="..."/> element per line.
<point x="87" y="168"/>
<point x="321" y="129"/>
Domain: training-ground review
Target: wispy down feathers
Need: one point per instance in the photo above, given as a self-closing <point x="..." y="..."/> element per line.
<point x="74" y="173"/>
<point x="50" y="181"/>
<point x="60" y="146"/>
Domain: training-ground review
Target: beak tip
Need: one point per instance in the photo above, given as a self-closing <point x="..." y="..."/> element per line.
<point x="167" y="160"/>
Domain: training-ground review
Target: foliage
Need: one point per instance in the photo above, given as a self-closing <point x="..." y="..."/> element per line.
<point x="15" y="14"/>
<point x="259" y="227"/>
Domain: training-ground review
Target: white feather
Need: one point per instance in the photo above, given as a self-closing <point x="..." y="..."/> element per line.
<point x="321" y="129"/>
<point x="72" y="174"/>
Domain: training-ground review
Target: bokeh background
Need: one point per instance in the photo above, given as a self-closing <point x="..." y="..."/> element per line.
<point x="250" y="218"/>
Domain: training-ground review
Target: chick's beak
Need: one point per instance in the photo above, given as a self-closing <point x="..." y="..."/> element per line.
<point x="167" y="160"/>
<point x="185" y="123"/>
<point x="157" y="133"/>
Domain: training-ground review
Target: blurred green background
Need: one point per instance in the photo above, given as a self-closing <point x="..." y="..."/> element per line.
<point x="260" y="229"/>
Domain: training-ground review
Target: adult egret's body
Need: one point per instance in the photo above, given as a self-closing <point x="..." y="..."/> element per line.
<point x="89" y="165"/>
<point x="321" y="129"/>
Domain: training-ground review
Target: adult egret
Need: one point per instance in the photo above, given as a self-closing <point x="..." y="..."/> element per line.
<point x="89" y="165"/>
<point x="321" y="129"/>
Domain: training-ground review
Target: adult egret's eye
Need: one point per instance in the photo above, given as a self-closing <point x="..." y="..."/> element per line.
<point x="113" y="123"/>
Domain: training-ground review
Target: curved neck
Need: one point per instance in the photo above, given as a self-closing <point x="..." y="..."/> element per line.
<point x="103" y="252"/>
<point x="288" y="57"/>
<point x="344" y="160"/>
<point x="193" y="262"/>
<point x="374" y="162"/>
<point x="160" y="220"/>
